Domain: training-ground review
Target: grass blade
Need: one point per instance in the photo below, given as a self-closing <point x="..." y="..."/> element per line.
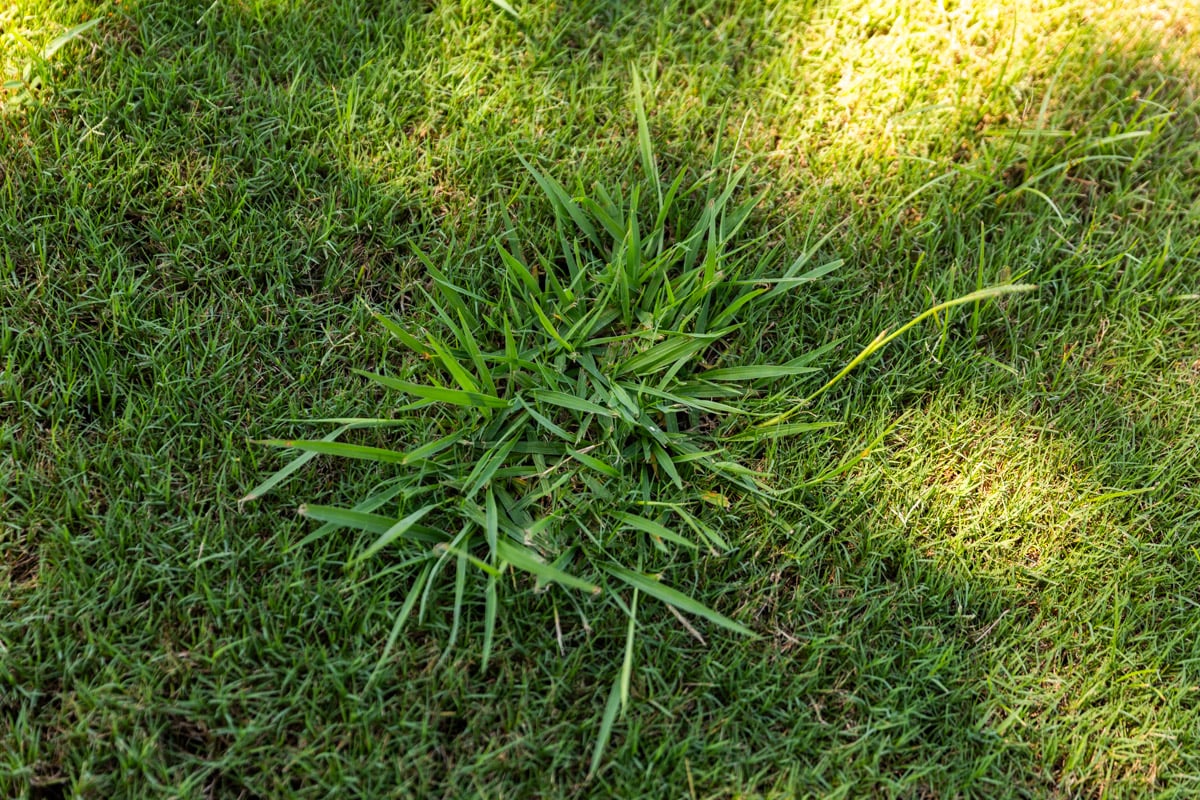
<point x="288" y="469"/>
<point x="755" y="373"/>
<point x="340" y="449"/>
<point x="731" y="311"/>
<point x="649" y="165"/>
<point x="348" y="518"/>
<point x="525" y="560"/>
<point x="606" y="725"/>
<point x="432" y="448"/>
<point x="884" y="337"/>
<point x="549" y="326"/>
<point x="571" y="402"/>
<point x="368" y="505"/>
<point x="595" y="463"/>
<point x="460" y="373"/>
<point x="460" y="590"/>
<point x="491" y="523"/>
<point x="438" y="394"/>
<point x="410" y="602"/>
<point x="627" y="661"/>
<point x="396" y="531"/>
<point x="663" y="354"/>
<point x="548" y="424"/>
<point x="673" y="597"/>
<point x="667" y="465"/>
<point x="504" y="6"/>
<point x="562" y="202"/>
<point x="655" y="529"/>
<point x="708" y="532"/>
<point x="67" y="36"/>
<point x="486" y="467"/>
<point x="490" y="612"/>
<point x="409" y="341"/>
<point x="779" y="430"/>
<point x="366" y="521"/>
<point x="520" y="276"/>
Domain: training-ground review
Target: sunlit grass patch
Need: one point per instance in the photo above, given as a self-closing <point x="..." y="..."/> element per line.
<point x="1004" y="496"/>
<point x="865" y="80"/>
<point x="1059" y="511"/>
<point x="32" y="35"/>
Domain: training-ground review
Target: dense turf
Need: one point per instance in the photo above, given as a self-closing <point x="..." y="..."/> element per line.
<point x="1001" y="599"/>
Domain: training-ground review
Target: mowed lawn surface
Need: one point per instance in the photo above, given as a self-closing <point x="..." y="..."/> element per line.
<point x="1002" y="599"/>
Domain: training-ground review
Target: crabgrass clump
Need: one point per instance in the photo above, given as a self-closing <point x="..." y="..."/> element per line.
<point x="580" y="422"/>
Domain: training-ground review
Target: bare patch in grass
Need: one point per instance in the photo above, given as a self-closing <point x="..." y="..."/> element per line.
<point x="23" y="567"/>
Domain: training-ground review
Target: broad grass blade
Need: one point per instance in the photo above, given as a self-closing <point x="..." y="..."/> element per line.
<point x="490" y="612"/>
<point x="663" y="354"/>
<point x="627" y="661"/>
<point x="432" y="448"/>
<point x="595" y="463"/>
<point x="406" y="338"/>
<point x="486" y="468"/>
<point x="439" y="394"/>
<point x="366" y="521"/>
<point x="562" y="201"/>
<point x="668" y="466"/>
<point x="506" y="8"/>
<point x="571" y="402"/>
<point x="673" y="597"/>
<point x="285" y="472"/>
<point x="524" y="559"/>
<point x="754" y="373"/>
<point x="649" y="165"/>
<point x="398" y="529"/>
<point x="368" y="505"/>
<point x="341" y="449"/>
<point x="653" y="528"/>
<point x="67" y="36"/>
<point x="548" y="424"/>
<point x="780" y="430"/>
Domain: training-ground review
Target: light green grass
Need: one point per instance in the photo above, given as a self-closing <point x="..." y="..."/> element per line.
<point x="1001" y="599"/>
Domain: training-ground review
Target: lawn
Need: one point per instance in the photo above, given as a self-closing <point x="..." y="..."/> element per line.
<point x="983" y="580"/>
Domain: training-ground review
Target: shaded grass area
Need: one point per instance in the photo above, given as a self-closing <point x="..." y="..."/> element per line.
<point x="1001" y="600"/>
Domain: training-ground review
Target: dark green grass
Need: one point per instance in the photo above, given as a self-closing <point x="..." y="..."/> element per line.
<point x="1003" y="599"/>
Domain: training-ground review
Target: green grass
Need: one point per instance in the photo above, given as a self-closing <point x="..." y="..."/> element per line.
<point x="1001" y="599"/>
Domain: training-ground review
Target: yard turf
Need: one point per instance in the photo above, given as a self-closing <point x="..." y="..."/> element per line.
<point x="1002" y="599"/>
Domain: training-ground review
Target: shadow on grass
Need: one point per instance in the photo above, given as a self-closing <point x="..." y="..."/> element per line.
<point x="255" y="172"/>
